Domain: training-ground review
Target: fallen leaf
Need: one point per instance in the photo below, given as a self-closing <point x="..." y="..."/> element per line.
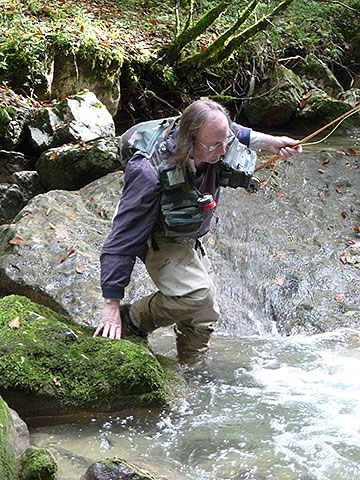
<point x="203" y="48"/>
<point x="279" y="281"/>
<point x="53" y="155"/>
<point x="17" y="241"/>
<point x="211" y="241"/>
<point x="351" y="152"/>
<point x="80" y="269"/>
<point x="352" y="209"/>
<point x="339" y="298"/>
<point x="357" y="229"/>
<point x="280" y="195"/>
<point x="52" y="226"/>
<point x="340" y="189"/>
<point x="321" y="170"/>
<point x="343" y="214"/>
<point x="71" y="216"/>
<point x="279" y="255"/>
<point x="79" y="332"/>
<point x="57" y="383"/>
<point x="48" y="211"/>
<point x="14" y="323"/>
<point x="325" y="161"/>
<point x="343" y="257"/>
<point x="321" y="194"/>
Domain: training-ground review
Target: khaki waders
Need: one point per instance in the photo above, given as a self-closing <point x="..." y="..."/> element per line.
<point x="184" y="276"/>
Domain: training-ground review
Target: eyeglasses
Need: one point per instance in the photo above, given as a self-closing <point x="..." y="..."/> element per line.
<point x="212" y="148"/>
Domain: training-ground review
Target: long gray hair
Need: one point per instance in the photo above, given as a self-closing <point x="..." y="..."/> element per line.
<point x="193" y="118"/>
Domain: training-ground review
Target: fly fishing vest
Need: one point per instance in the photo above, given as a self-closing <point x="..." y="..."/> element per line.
<point x="181" y="213"/>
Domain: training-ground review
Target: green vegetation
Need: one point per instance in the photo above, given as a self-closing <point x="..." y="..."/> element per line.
<point x="38" y="464"/>
<point x="8" y="459"/>
<point x="236" y="39"/>
<point x="44" y="356"/>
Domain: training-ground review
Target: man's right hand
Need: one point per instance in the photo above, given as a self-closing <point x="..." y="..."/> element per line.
<point x="110" y="322"/>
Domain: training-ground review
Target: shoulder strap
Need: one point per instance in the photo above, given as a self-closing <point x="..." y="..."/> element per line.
<point x="147" y="138"/>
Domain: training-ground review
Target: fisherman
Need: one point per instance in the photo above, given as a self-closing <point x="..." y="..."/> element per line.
<point x="164" y="228"/>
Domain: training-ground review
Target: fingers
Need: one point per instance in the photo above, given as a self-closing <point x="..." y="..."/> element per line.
<point x="109" y="328"/>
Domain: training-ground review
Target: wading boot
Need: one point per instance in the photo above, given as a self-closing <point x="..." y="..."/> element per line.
<point x="128" y="328"/>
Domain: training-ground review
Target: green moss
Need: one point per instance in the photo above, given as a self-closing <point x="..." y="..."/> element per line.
<point x="8" y="458"/>
<point x="38" y="464"/>
<point x="48" y="357"/>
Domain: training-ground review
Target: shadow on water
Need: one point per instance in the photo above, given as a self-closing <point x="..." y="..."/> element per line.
<point x="265" y="405"/>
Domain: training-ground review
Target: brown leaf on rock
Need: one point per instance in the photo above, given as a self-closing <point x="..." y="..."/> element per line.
<point x="279" y="255"/>
<point x="17" y="241"/>
<point x="339" y="298"/>
<point x="279" y="281"/>
<point x="340" y="189"/>
<point x="351" y="152"/>
<point x="48" y="211"/>
<point x="14" y="323"/>
<point x="357" y="229"/>
<point x="80" y="269"/>
<point x="343" y="214"/>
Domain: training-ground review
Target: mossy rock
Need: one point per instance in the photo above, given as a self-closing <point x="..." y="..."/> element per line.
<point x="49" y="366"/>
<point x="38" y="464"/>
<point x="8" y="457"/>
<point x="320" y="109"/>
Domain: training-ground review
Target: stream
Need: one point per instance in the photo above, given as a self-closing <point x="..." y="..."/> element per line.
<point x="264" y="406"/>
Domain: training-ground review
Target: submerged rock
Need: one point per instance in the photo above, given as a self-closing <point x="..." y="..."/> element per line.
<point x="117" y="469"/>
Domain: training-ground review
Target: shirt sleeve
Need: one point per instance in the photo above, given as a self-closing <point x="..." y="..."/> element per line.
<point x="133" y="222"/>
<point x="242" y="133"/>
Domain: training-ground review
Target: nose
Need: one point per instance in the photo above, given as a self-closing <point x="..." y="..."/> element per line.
<point x="221" y="150"/>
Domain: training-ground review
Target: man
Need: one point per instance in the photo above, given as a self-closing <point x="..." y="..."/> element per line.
<point x="177" y="263"/>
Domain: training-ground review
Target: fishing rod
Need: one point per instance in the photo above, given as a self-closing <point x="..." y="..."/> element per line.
<point x="306" y="139"/>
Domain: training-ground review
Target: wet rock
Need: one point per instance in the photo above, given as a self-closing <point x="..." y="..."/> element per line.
<point x="285" y="247"/>
<point x="117" y="469"/>
<point x="79" y="118"/>
<point x="283" y="93"/>
<point x="73" y="166"/>
<point x="51" y="253"/>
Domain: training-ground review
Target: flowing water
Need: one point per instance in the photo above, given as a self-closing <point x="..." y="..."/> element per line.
<point x="263" y="407"/>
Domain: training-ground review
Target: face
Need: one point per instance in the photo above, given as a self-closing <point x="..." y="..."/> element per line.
<point x="214" y="133"/>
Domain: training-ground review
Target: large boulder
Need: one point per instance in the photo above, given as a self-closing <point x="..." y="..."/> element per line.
<point x="50" y="366"/>
<point x="318" y="109"/>
<point x="73" y="166"/>
<point x="72" y="74"/>
<point x="51" y="251"/>
<point x="79" y="118"/>
<point x="276" y="100"/>
<point x="314" y="73"/>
